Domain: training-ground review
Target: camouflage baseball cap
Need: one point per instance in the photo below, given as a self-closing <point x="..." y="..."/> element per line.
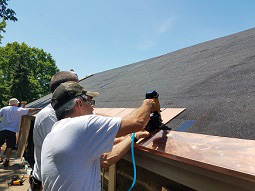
<point x="67" y="91"/>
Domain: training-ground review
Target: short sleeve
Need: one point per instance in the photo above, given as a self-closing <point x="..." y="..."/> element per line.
<point x="101" y="132"/>
<point x="23" y="111"/>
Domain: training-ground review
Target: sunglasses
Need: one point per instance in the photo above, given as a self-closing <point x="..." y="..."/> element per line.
<point x="90" y="102"/>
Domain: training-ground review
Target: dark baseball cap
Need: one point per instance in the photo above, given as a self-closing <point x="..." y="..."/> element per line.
<point x="67" y="91"/>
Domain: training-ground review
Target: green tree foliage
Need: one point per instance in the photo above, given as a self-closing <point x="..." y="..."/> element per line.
<point x="5" y="12"/>
<point x="25" y="72"/>
<point x="2" y="27"/>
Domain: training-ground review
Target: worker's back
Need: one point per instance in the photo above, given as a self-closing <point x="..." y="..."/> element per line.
<point x="11" y="117"/>
<point x="71" y="152"/>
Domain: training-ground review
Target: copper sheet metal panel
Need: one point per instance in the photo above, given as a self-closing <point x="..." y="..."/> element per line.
<point x="235" y="157"/>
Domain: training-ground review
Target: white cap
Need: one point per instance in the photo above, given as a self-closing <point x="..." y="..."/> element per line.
<point x="13" y="101"/>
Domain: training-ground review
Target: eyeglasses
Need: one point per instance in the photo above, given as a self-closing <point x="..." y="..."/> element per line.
<point x="90" y="102"/>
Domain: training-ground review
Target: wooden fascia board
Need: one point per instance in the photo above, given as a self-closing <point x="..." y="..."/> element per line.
<point x="189" y="175"/>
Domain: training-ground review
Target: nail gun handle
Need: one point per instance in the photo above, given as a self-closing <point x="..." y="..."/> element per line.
<point x="155" y="121"/>
<point x="153" y="95"/>
<point x="157" y="104"/>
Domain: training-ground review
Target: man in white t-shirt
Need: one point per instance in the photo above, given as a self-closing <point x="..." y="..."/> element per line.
<point x="72" y="151"/>
<point x="44" y="121"/>
<point x="46" y="118"/>
<point x="10" y="125"/>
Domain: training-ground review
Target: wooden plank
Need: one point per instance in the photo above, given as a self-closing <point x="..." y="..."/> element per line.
<point x="162" y="109"/>
<point x="103" y="111"/>
<point x="96" y="110"/>
<point x="118" y="112"/>
<point x="170" y="113"/>
<point x="115" y="111"/>
<point x="25" y="123"/>
<point x="112" y="111"/>
<point x="166" y="113"/>
<point x="125" y="112"/>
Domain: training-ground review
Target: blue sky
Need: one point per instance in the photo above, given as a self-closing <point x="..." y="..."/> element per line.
<point x="94" y="36"/>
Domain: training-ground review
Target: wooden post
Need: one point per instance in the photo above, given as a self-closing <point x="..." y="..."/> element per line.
<point x="112" y="178"/>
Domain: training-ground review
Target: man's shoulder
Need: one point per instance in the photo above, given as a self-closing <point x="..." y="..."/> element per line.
<point x="3" y="110"/>
<point x="90" y="117"/>
<point x="82" y="120"/>
<point x="100" y="120"/>
<point x="7" y="107"/>
<point x="96" y="117"/>
<point x="46" y="112"/>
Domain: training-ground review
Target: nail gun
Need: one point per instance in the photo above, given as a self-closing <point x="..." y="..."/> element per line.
<point x="155" y="122"/>
<point x="16" y="180"/>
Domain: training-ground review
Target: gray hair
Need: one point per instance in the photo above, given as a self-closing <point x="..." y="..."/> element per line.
<point x="66" y="109"/>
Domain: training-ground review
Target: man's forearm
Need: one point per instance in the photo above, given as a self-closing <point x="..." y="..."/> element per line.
<point x="118" y="151"/>
<point x="119" y="139"/>
<point x="32" y="111"/>
<point x="137" y="120"/>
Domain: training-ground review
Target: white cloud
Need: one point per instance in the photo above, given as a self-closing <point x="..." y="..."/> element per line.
<point x="145" y="45"/>
<point x="166" y="25"/>
<point x="150" y="39"/>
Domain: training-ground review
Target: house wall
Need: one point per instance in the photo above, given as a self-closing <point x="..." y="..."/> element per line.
<point x="146" y="179"/>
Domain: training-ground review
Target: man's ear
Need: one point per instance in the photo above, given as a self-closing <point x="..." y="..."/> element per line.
<point x="79" y="104"/>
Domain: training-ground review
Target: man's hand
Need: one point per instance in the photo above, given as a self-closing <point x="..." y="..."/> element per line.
<point x="141" y="134"/>
<point x="151" y="104"/>
<point x="120" y="149"/>
<point x="138" y="119"/>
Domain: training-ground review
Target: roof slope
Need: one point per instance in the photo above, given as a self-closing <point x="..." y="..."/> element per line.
<point x="213" y="80"/>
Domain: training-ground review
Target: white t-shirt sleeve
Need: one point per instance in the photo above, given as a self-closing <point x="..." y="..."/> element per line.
<point x="47" y="125"/>
<point x="22" y="111"/>
<point x="100" y="134"/>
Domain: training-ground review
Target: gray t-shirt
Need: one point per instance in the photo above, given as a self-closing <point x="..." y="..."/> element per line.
<point x="71" y="152"/>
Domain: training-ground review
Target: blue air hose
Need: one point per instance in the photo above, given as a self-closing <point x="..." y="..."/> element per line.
<point x="133" y="160"/>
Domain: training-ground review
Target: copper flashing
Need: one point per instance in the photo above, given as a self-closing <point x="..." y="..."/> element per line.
<point x="231" y="156"/>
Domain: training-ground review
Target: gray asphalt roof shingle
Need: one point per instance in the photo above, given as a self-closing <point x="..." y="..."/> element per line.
<point x="213" y="80"/>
